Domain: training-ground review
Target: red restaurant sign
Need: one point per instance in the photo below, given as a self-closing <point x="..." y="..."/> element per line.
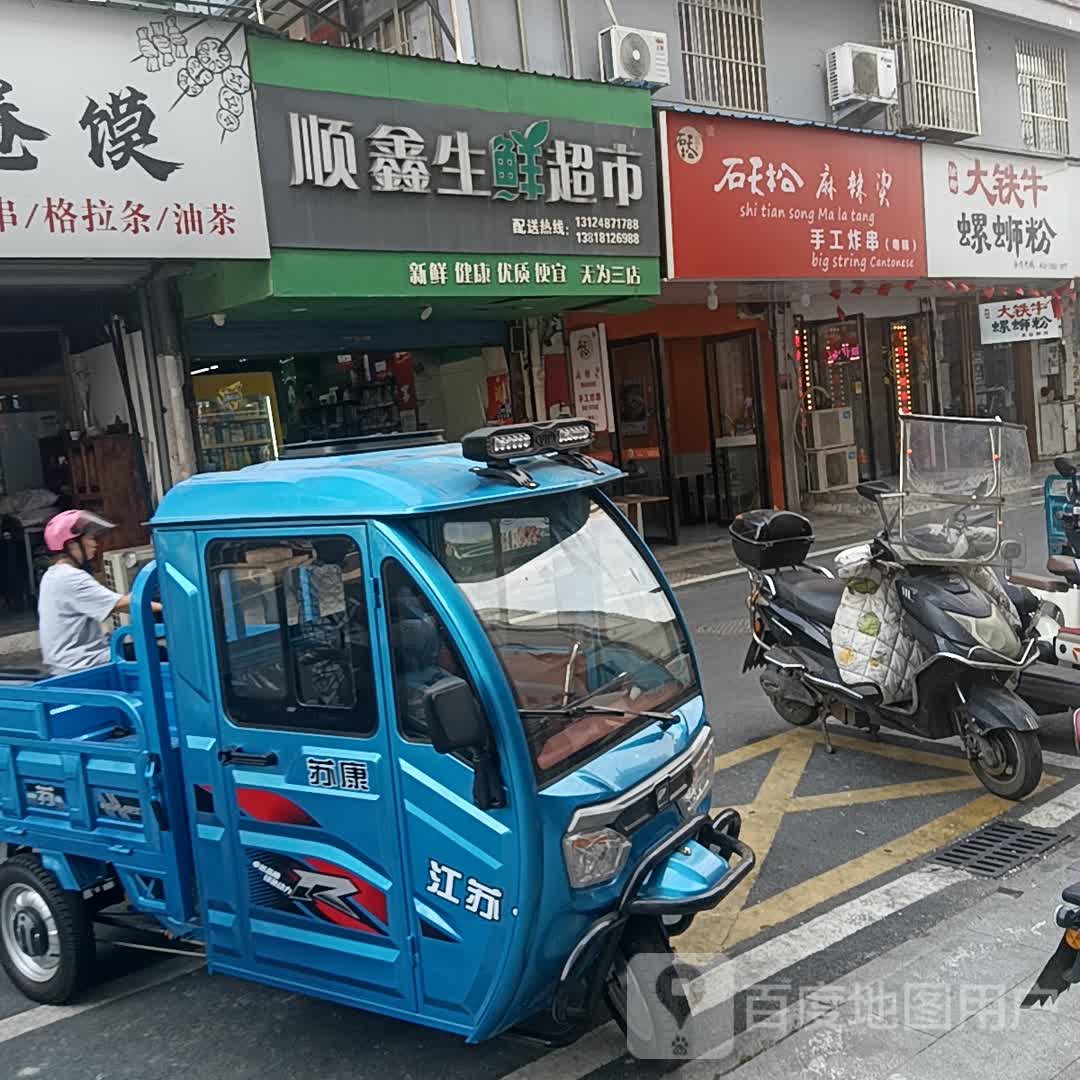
<point x="758" y="199"/>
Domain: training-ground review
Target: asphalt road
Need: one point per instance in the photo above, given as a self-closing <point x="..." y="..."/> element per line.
<point x="840" y="836"/>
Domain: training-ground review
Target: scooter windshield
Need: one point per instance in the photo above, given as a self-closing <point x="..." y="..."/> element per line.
<point x="576" y="617"/>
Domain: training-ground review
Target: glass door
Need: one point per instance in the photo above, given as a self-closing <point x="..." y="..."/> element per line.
<point x="839" y="367"/>
<point x="641" y="439"/>
<point x="735" y="424"/>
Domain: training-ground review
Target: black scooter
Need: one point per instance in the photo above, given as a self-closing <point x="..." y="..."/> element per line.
<point x="963" y="687"/>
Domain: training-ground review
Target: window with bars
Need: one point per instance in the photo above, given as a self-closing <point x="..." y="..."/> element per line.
<point x="723" y="54"/>
<point x="1044" y="106"/>
<point x="934" y="41"/>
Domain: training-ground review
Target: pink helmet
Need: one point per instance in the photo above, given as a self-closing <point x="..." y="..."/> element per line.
<point x="70" y="525"/>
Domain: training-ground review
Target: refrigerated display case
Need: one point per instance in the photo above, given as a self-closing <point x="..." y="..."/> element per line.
<point x="237" y="433"/>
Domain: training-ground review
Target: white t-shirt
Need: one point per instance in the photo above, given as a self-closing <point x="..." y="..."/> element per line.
<point x="71" y="607"/>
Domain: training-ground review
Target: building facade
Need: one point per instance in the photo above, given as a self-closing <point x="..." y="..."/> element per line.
<point x="127" y="155"/>
<point x="428" y="224"/>
<point x="988" y="90"/>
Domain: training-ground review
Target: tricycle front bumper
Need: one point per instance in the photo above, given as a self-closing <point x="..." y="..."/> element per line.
<point x="687" y="872"/>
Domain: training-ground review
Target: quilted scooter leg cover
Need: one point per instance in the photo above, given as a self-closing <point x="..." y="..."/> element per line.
<point x="868" y="639"/>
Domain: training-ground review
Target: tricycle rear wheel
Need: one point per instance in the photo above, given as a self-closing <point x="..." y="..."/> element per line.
<point x="46" y="939"/>
<point x="644" y="1013"/>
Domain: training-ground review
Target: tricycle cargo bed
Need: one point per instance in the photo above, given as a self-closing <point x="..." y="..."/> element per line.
<point x="80" y="781"/>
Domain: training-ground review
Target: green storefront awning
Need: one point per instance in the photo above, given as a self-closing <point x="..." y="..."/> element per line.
<point x="365" y="285"/>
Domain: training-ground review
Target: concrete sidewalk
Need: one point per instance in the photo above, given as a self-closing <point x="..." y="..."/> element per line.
<point x="688" y="562"/>
<point x="942" y="1005"/>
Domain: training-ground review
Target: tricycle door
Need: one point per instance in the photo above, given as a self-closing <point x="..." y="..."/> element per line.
<point x="466" y="864"/>
<point x="304" y="781"/>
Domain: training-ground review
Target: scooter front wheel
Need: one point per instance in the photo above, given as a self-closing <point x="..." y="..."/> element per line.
<point x="1010" y="763"/>
<point x="642" y="992"/>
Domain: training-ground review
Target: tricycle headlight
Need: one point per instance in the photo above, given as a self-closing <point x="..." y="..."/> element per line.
<point x="702" y="769"/>
<point x="594" y="857"/>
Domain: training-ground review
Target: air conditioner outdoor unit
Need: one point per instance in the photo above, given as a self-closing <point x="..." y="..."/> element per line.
<point x="634" y="57"/>
<point x="830" y="427"/>
<point x="833" y="469"/>
<point x="861" y="73"/>
<point x="122" y="566"/>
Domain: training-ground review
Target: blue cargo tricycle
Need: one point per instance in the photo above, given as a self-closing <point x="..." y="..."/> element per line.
<point x="422" y="733"/>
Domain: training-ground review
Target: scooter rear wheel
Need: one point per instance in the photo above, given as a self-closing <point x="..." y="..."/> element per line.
<point x="1016" y="766"/>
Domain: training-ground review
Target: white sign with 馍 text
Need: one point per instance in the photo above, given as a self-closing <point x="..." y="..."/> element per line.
<point x="126" y="134"/>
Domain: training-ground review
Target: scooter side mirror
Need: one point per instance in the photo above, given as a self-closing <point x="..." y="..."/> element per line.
<point x="1065" y="467"/>
<point x="1012" y="550"/>
<point x="457" y="724"/>
<point x="453" y="715"/>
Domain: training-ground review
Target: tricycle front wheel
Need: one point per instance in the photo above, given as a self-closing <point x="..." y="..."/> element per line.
<point x="46" y="940"/>
<point x="647" y="1014"/>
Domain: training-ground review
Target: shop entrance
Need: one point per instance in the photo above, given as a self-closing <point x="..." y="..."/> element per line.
<point x="900" y="380"/>
<point x="838" y="387"/>
<point x="955" y="370"/>
<point x="641" y="446"/>
<point x="734" y="398"/>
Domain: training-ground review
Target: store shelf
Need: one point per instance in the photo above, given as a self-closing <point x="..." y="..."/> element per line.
<point x="233" y="414"/>
<point x="236" y="445"/>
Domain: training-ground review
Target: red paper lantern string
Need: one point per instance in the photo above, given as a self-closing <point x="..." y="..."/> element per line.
<point x="951" y="286"/>
<point x="1056" y="305"/>
<point x="964" y="287"/>
<point x="884" y="290"/>
<point x="909" y="285"/>
<point x="841" y="314"/>
<point x="857" y="291"/>
<point x="988" y="293"/>
<point x="1020" y="292"/>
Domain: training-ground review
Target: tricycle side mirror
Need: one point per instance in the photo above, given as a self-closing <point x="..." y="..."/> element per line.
<point x="1011" y="550"/>
<point x="453" y="716"/>
<point x="457" y="724"/>
<point x="1065" y="467"/>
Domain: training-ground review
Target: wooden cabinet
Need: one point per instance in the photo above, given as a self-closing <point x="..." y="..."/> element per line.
<point x="106" y="481"/>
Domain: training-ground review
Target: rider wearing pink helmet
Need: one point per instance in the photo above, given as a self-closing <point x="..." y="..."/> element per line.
<point x="72" y="605"/>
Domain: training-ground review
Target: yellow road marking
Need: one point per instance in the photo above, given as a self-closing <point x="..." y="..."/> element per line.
<point x="900" y="753"/>
<point x="913" y="845"/>
<point x="754" y="750"/>
<point x="885" y="793"/>
<point x="761" y="826"/>
<point x="732" y="922"/>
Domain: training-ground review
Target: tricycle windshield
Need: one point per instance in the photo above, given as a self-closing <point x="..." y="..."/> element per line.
<point x="576" y="617"/>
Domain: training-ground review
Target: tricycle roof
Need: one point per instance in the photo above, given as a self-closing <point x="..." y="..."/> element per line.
<point x="418" y="480"/>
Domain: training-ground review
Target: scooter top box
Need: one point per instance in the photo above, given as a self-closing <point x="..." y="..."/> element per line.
<point x="771" y="539"/>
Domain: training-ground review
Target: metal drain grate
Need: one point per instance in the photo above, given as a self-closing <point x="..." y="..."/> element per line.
<point x="729" y="628"/>
<point x="998" y="847"/>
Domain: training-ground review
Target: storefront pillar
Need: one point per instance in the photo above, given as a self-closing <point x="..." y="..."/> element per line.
<point x="169" y="369"/>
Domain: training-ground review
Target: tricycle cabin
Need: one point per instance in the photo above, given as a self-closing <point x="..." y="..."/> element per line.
<point x="422" y="712"/>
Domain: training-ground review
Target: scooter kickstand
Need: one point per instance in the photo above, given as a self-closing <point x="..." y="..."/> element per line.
<point x="829" y="748"/>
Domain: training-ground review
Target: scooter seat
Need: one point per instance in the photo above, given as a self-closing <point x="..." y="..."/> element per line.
<point x="813" y="596"/>
<point x="1041" y="582"/>
<point x="1065" y="566"/>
